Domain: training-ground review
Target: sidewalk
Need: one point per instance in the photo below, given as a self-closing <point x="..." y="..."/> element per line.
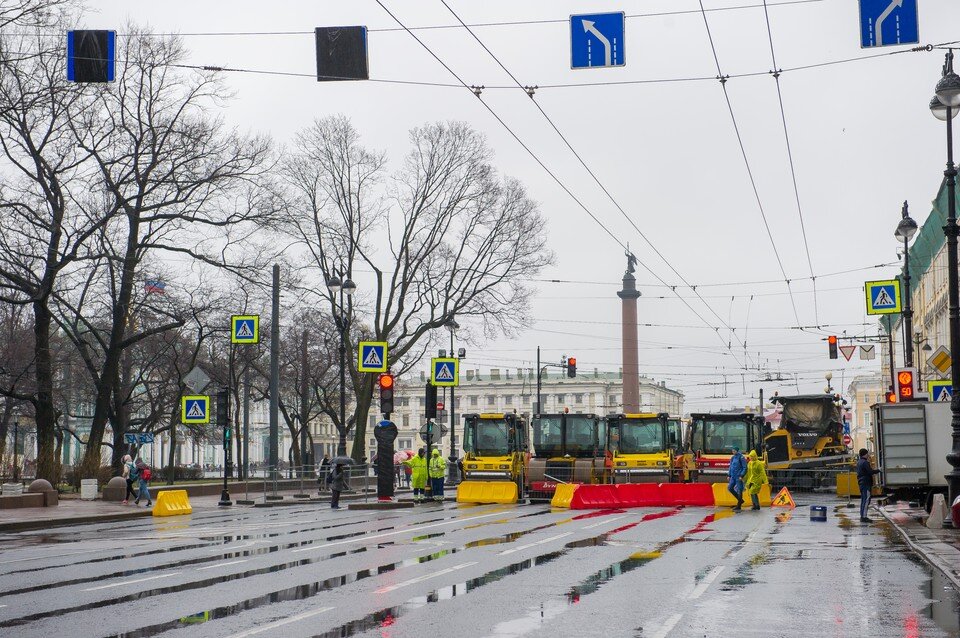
<point x="73" y="511"/>
<point x="939" y="547"/>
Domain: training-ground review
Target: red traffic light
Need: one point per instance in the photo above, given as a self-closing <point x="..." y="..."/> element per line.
<point x="832" y="344"/>
<point x="905" y="384"/>
<point x="891" y="397"/>
<point x="385" y="380"/>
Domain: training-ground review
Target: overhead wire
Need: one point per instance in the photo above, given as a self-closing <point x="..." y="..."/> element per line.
<point x="596" y="180"/>
<point x="743" y="152"/>
<point x="793" y="172"/>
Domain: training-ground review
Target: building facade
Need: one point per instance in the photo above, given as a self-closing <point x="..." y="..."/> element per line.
<point x="864" y="391"/>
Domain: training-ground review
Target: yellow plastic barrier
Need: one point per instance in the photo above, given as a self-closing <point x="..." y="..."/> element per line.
<point x="172" y="503"/>
<point x="563" y="494"/>
<point x="723" y="498"/>
<point x="847" y="485"/>
<point x="487" y="492"/>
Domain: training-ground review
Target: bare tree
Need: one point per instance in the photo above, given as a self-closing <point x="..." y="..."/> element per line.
<point x="174" y="178"/>
<point x="462" y="241"/>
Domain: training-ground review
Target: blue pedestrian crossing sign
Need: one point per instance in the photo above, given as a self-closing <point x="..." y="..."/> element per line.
<point x="372" y="356"/>
<point x="888" y="23"/>
<point x="597" y="40"/>
<point x="940" y="391"/>
<point x="195" y="409"/>
<point x="445" y="371"/>
<point x="883" y="297"/>
<point x="245" y="329"/>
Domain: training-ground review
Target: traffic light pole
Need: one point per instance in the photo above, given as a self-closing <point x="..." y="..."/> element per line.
<point x="224" y="411"/>
<point x="571" y="372"/>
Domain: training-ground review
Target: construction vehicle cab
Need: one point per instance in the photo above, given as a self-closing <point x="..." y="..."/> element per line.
<point x="644" y="448"/>
<point x="712" y="437"/>
<point x="567" y="448"/>
<point x="495" y="451"/>
<point x="810" y="433"/>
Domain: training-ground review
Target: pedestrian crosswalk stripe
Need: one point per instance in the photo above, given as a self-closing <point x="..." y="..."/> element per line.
<point x="244" y="330"/>
<point x="372" y="360"/>
<point x="196" y="411"/>
<point x="444" y="373"/>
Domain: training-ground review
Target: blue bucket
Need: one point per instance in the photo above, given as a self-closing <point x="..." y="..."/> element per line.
<point x="818" y="513"/>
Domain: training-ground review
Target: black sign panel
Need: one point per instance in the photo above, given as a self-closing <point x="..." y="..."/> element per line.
<point x="90" y="56"/>
<point x="341" y="53"/>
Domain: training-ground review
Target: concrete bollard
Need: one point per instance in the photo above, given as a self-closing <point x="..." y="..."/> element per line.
<point x="938" y="512"/>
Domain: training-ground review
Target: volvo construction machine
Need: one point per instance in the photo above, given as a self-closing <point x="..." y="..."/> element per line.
<point x="495" y="455"/>
<point x="808" y="441"/>
<point x="567" y="448"/>
<point x="712" y="437"/>
<point x="646" y="448"/>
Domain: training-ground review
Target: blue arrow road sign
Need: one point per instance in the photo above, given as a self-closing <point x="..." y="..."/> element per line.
<point x="597" y="40"/>
<point x="888" y="23"/>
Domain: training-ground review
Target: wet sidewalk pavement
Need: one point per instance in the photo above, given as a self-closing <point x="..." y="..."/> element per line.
<point x="939" y="547"/>
<point x="73" y="511"/>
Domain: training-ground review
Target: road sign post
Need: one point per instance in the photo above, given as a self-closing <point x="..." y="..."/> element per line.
<point x="888" y="23"/>
<point x="597" y="40"/>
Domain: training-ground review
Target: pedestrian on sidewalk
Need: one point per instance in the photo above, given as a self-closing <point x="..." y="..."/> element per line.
<point x="323" y="476"/>
<point x="756" y="477"/>
<point x="338" y="483"/>
<point x="418" y="473"/>
<point x="735" y="474"/>
<point x="865" y="475"/>
<point x="129" y="475"/>
<point x="438" y="467"/>
<point x="143" y="478"/>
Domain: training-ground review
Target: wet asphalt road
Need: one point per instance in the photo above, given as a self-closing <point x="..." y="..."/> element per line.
<point x="517" y="570"/>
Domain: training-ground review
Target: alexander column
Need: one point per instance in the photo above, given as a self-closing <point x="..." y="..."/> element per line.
<point x="631" y="363"/>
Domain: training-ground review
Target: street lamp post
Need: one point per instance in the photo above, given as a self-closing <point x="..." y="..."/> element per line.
<point x="944" y="107"/>
<point x="338" y="288"/>
<point x="906" y="229"/>
<point x="16" y="432"/>
<point x="453" y="473"/>
<point x="920" y="339"/>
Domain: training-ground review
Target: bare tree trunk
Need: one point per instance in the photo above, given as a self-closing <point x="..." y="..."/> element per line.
<point x="45" y="414"/>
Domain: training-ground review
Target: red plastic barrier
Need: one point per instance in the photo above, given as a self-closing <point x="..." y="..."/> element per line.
<point x="640" y="494"/>
<point x="696" y="494"/>
<point x="589" y="497"/>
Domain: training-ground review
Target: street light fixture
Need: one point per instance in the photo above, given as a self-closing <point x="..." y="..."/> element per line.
<point x="906" y="229"/>
<point x="948" y="96"/>
<point x="345" y="287"/>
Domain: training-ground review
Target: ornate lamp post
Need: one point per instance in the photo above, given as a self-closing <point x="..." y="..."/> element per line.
<point x="340" y="288"/>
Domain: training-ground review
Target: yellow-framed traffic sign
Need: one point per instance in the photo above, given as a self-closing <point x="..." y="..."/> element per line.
<point x="195" y="409"/>
<point x="372" y="356"/>
<point x="883" y="297"/>
<point x="245" y="329"/>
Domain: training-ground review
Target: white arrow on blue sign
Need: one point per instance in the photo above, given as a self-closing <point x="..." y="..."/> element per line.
<point x="888" y="23"/>
<point x="597" y="40"/>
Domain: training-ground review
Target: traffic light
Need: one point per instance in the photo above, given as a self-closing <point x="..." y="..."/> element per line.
<point x="905" y="389"/>
<point x="431" y="401"/>
<point x="890" y="397"/>
<point x="572" y="367"/>
<point x="832" y="342"/>
<point x="385" y="381"/>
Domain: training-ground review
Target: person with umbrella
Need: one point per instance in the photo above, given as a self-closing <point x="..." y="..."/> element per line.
<point x="339" y="481"/>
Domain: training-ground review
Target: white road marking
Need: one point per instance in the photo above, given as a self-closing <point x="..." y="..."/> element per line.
<point x="233" y="562"/>
<point x="605" y="521"/>
<point x="285" y="621"/>
<point x="420" y="579"/>
<point x="131" y="582"/>
<point x="705" y="583"/>
<point x="529" y="545"/>
<point x="394" y="533"/>
<point x="667" y="626"/>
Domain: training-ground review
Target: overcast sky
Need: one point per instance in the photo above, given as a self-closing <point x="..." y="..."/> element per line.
<point x="862" y="137"/>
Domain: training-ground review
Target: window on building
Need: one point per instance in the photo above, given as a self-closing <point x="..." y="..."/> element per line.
<point x="508" y="399"/>
<point x="457" y="403"/>
<point x="373" y="420"/>
<point x="473" y="401"/>
<point x="561" y="399"/>
<point x="422" y="401"/>
<point x="491" y="399"/>
<point x="405" y="444"/>
<point x="373" y="443"/>
<point x="578" y="398"/>
<point x="404" y="401"/>
<point x="406" y="420"/>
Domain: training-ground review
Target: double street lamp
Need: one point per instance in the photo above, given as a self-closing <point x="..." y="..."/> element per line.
<point x="906" y="229"/>
<point x="944" y="106"/>
<point x="341" y="285"/>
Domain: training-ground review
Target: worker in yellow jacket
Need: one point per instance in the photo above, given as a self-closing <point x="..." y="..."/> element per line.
<point x="418" y="477"/>
<point x="438" y="469"/>
<point x="756" y="477"/>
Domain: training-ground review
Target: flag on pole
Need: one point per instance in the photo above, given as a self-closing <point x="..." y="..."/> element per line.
<point x="155" y="286"/>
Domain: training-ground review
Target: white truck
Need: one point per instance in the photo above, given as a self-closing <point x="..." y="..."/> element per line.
<point x="911" y="443"/>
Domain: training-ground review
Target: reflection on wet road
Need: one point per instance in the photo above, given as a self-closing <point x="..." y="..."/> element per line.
<point x="497" y="570"/>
